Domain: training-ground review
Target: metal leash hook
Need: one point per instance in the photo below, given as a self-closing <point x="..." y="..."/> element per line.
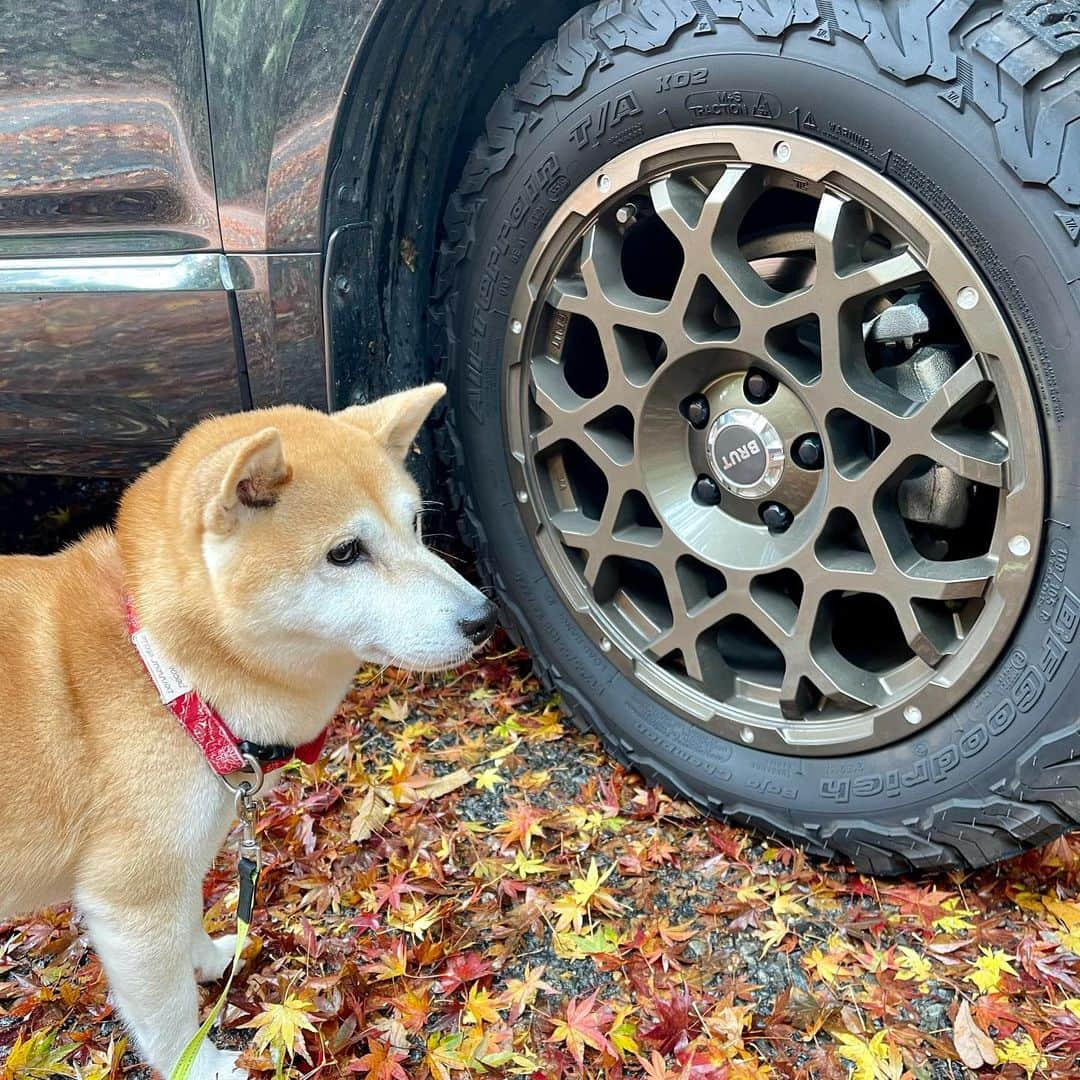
<point x="247" y="808"/>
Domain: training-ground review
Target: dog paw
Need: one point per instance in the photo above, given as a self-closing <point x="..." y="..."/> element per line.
<point x="213" y="957"/>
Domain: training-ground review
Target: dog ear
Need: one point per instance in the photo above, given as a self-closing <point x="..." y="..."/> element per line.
<point x="396" y="419"/>
<point x="252" y="473"/>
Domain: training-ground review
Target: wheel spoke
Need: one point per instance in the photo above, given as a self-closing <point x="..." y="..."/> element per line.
<point x="567" y="411"/>
<point x="689" y="624"/>
<point x="973" y="455"/>
<point x="979" y="458"/>
<point x="923" y="636"/>
<point x="811" y="655"/>
<point x="959" y="579"/>
<point x="839" y="229"/>
<point x="846" y="381"/>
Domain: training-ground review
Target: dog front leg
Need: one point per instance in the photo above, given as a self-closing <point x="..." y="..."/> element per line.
<point x="210" y="957"/>
<point x="146" y="954"/>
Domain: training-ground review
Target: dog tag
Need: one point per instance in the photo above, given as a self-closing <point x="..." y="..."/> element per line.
<point x="170" y="683"/>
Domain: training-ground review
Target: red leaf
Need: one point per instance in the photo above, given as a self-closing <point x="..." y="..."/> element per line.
<point x="677" y="1023"/>
<point x="462" y="968"/>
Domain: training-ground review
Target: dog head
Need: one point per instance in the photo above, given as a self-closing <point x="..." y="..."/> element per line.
<point x="306" y="532"/>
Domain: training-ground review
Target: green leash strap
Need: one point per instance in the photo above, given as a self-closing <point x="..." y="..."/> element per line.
<point x="249" y="878"/>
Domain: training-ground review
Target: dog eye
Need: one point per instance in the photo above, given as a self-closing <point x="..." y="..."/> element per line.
<point x="347" y="553"/>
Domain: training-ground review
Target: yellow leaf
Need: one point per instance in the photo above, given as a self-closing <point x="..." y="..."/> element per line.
<point x="279" y="1027"/>
<point x="774" y="932"/>
<point x="1022" y="1052"/>
<point x="1065" y="910"/>
<point x="986" y="972"/>
<point x="911" y="967"/>
<point x="523" y="866"/>
<point x="1071" y="1005"/>
<point x="37" y="1057"/>
<point x="479" y="1007"/>
<point x="956" y="920"/>
<point x="1070" y="941"/>
<point x="1028" y="901"/>
<point x="488" y="779"/>
<point x="873" y="1060"/>
<point x="587" y="894"/>
<point x="786" y="903"/>
<point x="824" y="965"/>
<point x="414" y="917"/>
<point x="443" y="1055"/>
<point x="623" y="1031"/>
<point x="395" y="711"/>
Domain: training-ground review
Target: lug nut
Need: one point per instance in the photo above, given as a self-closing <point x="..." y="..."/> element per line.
<point x="808" y="452"/>
<point x="697" y="410"/>
<point x="776" y="516"/>
<point x="759" y="387"/>
<point x="706" y="490"/>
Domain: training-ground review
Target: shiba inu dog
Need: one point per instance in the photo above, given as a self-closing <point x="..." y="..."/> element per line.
<point x="262" y="561"/>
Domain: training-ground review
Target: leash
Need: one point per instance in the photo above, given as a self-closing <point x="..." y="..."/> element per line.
<point x="248" y="867"/>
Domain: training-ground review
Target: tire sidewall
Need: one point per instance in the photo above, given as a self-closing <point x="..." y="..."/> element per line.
<point x="948" y="160"/>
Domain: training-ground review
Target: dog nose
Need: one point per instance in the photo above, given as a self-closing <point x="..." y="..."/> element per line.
<point x="480" y="629"/>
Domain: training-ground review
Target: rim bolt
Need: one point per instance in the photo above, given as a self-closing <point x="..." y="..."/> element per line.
<point x="776" y="516"/>
<point x="697" y="410"/>
<point x="759" y="387"/>
<point x="1020" y="546"/>
<point x="808" y="452"/>
<point x="625" y="214"/>
<point x="706" y="490"/>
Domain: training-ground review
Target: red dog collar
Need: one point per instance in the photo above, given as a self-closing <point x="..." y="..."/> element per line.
<point x="222" y="749"/>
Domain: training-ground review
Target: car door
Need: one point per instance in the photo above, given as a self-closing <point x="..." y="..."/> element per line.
<point x="117" y="326"/>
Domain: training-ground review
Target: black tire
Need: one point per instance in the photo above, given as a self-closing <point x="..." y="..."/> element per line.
<point x="973" y="109"/>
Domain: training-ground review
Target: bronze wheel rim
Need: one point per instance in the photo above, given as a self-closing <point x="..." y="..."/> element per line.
<point x="773" y="440"/>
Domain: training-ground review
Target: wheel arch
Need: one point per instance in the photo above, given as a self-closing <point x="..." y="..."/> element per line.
<point x="423" y="80"/>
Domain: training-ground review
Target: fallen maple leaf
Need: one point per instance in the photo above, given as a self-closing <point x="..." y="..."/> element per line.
<point x="280" y="1026"/>
<point x="586" y="895"/>
<point x="986" y="972"/>
<point x="479" y="1007"/>
<point x="38" y="1057"/>
<point x="393" y="710"/>
<point x="521" y="993"/>
<point x="677" y="1022"/>
<point x="521" y="827"/>
<point x="974" y="1046"/>
<point x="381" y="1062"/>
<point x="462" y="968"/>
<point x="580" y="1027"/>
<point x="1022" y="1052"/>
<point x="910" y="966"/>
<point x="488" y="779"/>
<point x="1067" y="911"/>
<point x="874" y="1059"/>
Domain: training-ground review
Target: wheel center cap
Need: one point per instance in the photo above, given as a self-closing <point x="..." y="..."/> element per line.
<point x="745" y="453"/>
